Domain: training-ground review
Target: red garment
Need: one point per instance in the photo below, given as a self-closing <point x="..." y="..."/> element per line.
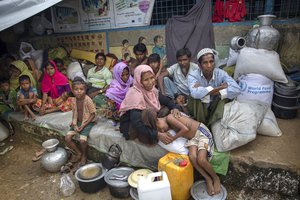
<point x="49" y="83"/>
<point x="235" y="10"/>
<point x="218" y="11"/>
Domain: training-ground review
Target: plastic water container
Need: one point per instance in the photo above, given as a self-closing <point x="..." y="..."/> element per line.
<point x="180" y="173"/>
<point x="154" y="186"/>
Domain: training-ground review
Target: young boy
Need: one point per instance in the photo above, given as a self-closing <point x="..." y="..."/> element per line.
<point x="82" y="121"/>
<point x="200" y="146"/>
<point x="181" y="102"/>
<point x="8" y="97"/>
<point x="27" y="96"/>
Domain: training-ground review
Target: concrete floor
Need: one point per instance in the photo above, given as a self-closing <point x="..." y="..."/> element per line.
<point x="273" y="152"/>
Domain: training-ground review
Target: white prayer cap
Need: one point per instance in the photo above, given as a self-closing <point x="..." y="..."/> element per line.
<point x="204" y="51"/>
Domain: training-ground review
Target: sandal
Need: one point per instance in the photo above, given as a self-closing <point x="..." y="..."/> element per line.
<point x="39" y="153"/>
<point x="7" y="149"/>
<point x="36" y="158"/>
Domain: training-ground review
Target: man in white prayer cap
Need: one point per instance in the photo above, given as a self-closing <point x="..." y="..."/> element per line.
<point x="210" y="88"/>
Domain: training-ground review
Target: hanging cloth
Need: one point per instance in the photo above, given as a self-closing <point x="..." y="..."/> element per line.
<point x="193" y="30"/>
<point x="218" y="11"/>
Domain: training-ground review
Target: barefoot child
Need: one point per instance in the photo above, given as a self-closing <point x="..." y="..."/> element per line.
<point x="27" y="96"/>
<point x="200" y="146"/>
<point x="82" y="121"/>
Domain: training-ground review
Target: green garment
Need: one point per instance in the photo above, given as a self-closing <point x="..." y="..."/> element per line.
<point x="8" y="102"/>
<point x="14" y="82"/>
<point x="204" y="114"/>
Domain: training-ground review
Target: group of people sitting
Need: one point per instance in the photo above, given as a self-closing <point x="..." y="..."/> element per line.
<point x="146" y="98"/>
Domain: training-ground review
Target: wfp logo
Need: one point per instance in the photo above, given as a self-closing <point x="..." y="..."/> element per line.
<point x="243" y="85"/>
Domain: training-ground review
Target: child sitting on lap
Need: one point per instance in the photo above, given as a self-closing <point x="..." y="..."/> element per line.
<point x="82" y="121"/>
<point x="200" y="145"/>
<point x="27" y="96"/>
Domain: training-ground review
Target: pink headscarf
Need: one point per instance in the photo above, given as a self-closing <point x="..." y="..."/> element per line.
<point x="49" y="83"/>
<point x="139" y="98"/>
<point x="117" y="88"/>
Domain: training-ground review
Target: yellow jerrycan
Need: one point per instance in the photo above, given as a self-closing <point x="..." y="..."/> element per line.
<point x="180" y="174"/>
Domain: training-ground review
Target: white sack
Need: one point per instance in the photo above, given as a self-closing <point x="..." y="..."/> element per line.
<point x="25" y="50"/>
<point x="233" y="55"/>
<point x="37" y="57"/>
<point x="177" y="146"/>
<point x="259" y="61"/>
<point x="74" y="70"/>
<point x="269" y="125"/>
<point x="256" y="87"/>
<point x="238" y="125"/>
<point x="4" y="133"/>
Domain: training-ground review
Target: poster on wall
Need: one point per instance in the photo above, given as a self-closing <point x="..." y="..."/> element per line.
<point x="85" y="15"/>
<point x="65" y="16"/>
<point x="132" y="12"/>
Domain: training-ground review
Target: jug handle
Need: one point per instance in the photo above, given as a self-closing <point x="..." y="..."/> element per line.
<point x="151" y="176"/>
<point x="118" y="147"/>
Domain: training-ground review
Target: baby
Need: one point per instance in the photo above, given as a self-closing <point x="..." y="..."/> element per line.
<point x="200" y="145"/>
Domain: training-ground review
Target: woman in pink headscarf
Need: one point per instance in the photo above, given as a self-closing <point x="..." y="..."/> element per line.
<point x="55" y="89"/>
<point x="140" y="107"/>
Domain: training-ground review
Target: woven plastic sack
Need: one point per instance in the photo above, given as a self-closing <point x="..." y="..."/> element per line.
<point x="220" y="162"/>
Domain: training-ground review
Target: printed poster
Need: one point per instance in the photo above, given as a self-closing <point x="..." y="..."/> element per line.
<point x="85" y="15"/>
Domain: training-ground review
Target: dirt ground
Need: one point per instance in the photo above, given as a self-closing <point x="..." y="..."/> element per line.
<point x="22" y="179"/>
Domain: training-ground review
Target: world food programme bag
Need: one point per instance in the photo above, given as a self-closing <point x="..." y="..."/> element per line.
<point x="256" y="87"/>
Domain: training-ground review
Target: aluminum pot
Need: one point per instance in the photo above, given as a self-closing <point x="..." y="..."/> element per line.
<point x="116" y="179"/>
<point x="291" y="88"/>
<point x="237" y="43"/>
<point x="284" y="112"/>
<point x="55" y="157"/>
<point x="264" y="36"/>
<point x="91" y="185"/>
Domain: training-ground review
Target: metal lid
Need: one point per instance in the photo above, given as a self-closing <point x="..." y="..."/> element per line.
<point x="134" y="193"/>
<point x="136" y="175"/>
<point x="198" y="192"/>
<point x="118" y="176"/>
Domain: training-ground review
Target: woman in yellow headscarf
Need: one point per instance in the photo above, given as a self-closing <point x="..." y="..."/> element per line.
<point x="18" y="68"/>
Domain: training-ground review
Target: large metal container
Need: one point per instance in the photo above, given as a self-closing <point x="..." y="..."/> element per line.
<point x="55" y="157"/>
<point x="264" y="36"/>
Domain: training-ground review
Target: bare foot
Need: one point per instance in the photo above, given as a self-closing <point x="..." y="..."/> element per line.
<point x="26" y="117"/>
<point x="82" y="160"/>
<point x="75" y="158"/>
<point x="217" y="185"/>
<point x="210" y="187"/>
<point x="33" y="117"/>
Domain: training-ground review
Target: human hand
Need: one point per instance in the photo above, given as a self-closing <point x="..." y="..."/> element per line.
<point x="176" y="113"/>
<point x="80" y="128"/>
<point x="76" y="129"/>
<point x="224" y="85"/>
<point x="165" y="138"/>
<point x="196" y="85"/>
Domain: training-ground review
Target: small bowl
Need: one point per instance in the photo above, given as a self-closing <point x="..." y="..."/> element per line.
<point x="51" y="144"/>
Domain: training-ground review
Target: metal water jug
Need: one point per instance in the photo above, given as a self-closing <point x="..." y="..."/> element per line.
<point x="54" y="157"/>
<point x="264" y="36"/>
<point x="112" y="157"/>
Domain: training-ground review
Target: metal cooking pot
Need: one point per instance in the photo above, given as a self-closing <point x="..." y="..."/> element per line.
<point x="91" y="185"/>
<point x="117" y="181"/>
<point x="291" y="88"/>
<point x="237" y="43"/>
<point x="112" y="157"/>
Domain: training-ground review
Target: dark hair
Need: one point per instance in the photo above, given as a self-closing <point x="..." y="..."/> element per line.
<point x="125" y="41"/>
<point x="58" y="61"/>
<point x="100" y="54"/>
<point x="140" y="47"/>
<point x="24" y="78"/>
<point x="201" y="57"/>
<point x="126" y="55"/>
<point x="183" y="52"/>
<point x="78" y="81"/>
<point x="156" y="38"/>
<point x="4" y="80"/>
<point x="141" y="39"/>
<point x="48" y="63"/>
<point x="153" y="58"/>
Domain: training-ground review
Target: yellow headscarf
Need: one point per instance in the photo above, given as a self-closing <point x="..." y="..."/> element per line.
<point x="14" y="82"/>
